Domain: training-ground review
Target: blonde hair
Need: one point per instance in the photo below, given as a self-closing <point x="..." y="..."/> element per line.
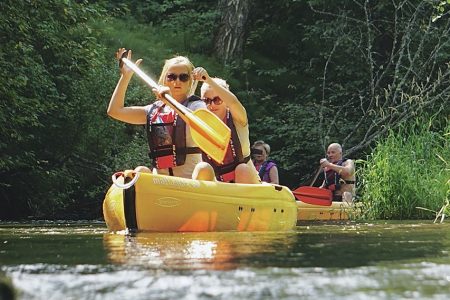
<point x="263" y="144"/>
<point x="179" y="60"/>
<point x="218" y="80"/>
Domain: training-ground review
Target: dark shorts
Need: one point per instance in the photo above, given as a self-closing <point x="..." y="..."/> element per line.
<point x="337" y="198"/>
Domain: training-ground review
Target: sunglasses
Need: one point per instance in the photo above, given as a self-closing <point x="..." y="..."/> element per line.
<point x="257" y="151"/>
<point x="184" y="77"/>
<point x="216" y="100"/>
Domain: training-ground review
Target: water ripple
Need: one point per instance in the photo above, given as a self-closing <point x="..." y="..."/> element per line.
<point x="408" y="281"/>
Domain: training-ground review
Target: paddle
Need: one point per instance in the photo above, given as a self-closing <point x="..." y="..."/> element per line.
<point x="207" y="130"/>
<point x="314" y="195"/>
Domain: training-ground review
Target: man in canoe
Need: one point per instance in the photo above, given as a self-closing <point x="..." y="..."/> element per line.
<point x="339" y="174"/>
<point x="172" y="149"/>
<point x="237" y="166"/>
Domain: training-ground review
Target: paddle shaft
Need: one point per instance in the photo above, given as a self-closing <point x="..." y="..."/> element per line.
<point x="185" y="113"/>
<point x="315" y="176"/>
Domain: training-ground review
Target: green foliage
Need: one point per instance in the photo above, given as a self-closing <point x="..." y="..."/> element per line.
<point x="46" y="49"/>
<point x="363" y="66"/>
<point x="407" y="170"/>
<point x="293" y="140"/>
<point x="305" y="81"/>
<point x="441" y="8"/>
<point x="189" y="24"/>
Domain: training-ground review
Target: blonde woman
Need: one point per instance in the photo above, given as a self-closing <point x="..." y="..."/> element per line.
<point x="172" y="150"/>
<point x="237" y="166"/>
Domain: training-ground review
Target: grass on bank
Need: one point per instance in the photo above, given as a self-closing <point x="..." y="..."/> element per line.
<point x="407" y="170"/>
<point x="154" y="45"/>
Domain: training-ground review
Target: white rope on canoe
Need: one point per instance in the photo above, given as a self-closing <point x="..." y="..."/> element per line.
<point x="124" y="185"/>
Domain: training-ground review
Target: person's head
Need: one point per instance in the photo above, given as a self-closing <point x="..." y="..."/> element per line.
<point x="261" y="151"/>
<point x="334" y="152"/>
<point x="177" y="75"/>
<point x="212" y="100"/>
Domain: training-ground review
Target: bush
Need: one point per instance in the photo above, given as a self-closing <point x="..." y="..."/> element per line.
<point x="410" y="168"/>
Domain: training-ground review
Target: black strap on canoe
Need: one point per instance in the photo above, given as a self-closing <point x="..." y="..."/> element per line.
<point x="129" y="207"/>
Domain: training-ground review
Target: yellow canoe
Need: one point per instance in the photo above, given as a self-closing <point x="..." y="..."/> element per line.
<point x="171" y="204"/>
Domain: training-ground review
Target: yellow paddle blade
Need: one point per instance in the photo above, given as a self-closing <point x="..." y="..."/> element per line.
<point x="218" y="147"/>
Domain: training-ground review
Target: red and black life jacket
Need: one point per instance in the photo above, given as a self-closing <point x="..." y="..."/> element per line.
<point x="166" y="135"/>
<point x="333" y="180"/>
<point x="233" y="157"/>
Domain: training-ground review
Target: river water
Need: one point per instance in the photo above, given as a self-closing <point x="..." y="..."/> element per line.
<point x="381" y="260"/>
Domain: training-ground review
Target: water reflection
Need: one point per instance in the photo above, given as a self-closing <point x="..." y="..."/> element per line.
<point x="343" y="246"/>
<point x="355" y="245"/>
<point x="212" y="251"/>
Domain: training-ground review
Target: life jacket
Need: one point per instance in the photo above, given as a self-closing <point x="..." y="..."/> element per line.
<point x="166" y="135"/>
<point x="333" y="180"/>
<point x="264" y="170"/>
<point x="233" y="157"/>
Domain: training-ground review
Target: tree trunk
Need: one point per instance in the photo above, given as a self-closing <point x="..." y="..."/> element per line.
<point x="231" y="36"/>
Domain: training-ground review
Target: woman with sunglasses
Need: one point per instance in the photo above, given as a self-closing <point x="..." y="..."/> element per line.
<point x="172" y="150"/>
<point x="267" y="168"/>
<point x="237" y="166"/>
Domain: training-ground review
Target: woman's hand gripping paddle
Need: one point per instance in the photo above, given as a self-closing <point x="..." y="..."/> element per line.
<point x="314" y="195"/>
<point x="207" y="130"/>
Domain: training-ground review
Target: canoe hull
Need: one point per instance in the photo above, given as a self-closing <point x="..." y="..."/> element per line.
<point x="161" y="203"/>
<point x="338" y="211"/>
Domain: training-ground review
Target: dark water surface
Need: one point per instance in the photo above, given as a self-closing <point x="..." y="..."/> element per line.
<point x="383" y="260"/>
